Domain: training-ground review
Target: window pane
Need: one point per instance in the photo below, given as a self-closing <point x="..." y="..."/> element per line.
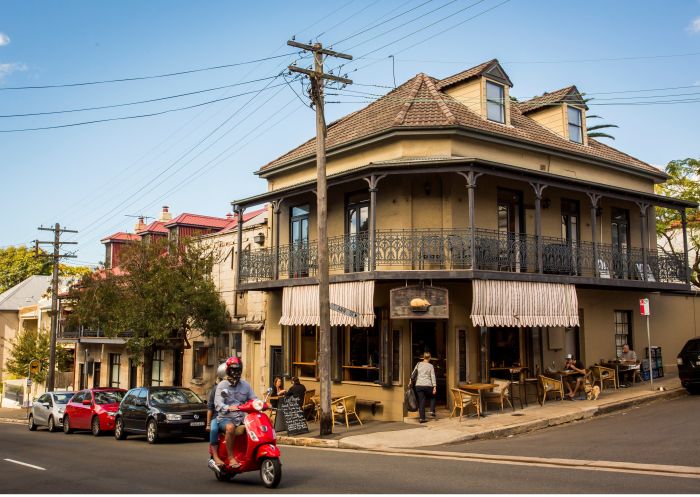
<point x="495" y="104"/>
<point x="575" y="124"/>
<point x="300" y="210"/>
<point x="494" y="92"/>
<point x="575" y="133"/>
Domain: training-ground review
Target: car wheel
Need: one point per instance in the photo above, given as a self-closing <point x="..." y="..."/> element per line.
<point x="152" y="431"/>
<point x="271" y="472"/>
<point x="52" y="424"/>
<point x="66" y="425"/>
<point x="32" y="424"/>
<point x="95" y="426"/>
<point x="119" y="432"/>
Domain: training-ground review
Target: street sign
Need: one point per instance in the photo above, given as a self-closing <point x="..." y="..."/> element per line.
<point x="35" y="366"/>
<point x="344" y="310"/>
<point x="644" y="307"/>
<point x="29" y="382"/>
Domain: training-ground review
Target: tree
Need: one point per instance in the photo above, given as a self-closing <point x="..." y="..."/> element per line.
<point x="595" y="130"/>
<point x="683" y="183"/>
<point x="19" y="263"/>
<point x="30" y="344"/>
<point x="161" y="296"/>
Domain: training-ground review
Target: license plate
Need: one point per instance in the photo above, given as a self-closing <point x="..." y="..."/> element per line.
<point x="197" y="423"/>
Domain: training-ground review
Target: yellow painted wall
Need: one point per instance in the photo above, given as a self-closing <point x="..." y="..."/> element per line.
<point x="468" y="94"/>
<point x="551" y="117"/>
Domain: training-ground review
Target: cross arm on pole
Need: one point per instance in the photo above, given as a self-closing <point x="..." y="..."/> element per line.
<point x="325" y="51"/>
<point x="314" y="74"/>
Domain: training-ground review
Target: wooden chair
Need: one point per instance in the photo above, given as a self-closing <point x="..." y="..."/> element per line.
<point x="308" y="405"/>
<point x="550" y="385"/>
<point x="349" y="408"/>
<point x="462" y="399"/>
<point x="500" y="394"/>
<point x="601" y="374"/>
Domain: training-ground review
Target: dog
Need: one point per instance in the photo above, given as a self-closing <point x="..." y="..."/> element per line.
<point x="592" y="391"/>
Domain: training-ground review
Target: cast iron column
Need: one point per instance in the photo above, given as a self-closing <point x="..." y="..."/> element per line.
<point x="539" y="188"/>
<point x="595" y="198"/>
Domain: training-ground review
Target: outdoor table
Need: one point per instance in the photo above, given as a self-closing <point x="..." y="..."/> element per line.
<point x="513" y="372"/>
<point x="478" y="388"/>
<point x="621" y="367"/>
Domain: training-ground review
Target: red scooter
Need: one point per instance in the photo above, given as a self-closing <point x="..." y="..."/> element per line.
<point x="256" y="449"/>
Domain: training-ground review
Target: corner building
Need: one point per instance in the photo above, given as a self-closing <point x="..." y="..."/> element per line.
<point x="487" y="231"/>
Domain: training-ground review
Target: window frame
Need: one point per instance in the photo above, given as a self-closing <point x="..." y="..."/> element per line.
<point x="578" y="126"/>
<point x="197" y="368"/>
<point x="114" y="360"/>
<point x="620" y="339"/>
<point x="298" y="365"/>
<point x="158" y="359"/>
<point x="500" y="102"/>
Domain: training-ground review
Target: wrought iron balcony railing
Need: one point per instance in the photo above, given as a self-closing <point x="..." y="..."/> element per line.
<point x="425" y="249"/>
<point x="77" y="332"/>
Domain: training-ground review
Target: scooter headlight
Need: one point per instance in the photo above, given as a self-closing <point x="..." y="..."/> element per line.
<point x="258" y="404"/>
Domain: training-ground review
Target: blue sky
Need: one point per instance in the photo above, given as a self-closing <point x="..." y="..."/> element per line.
<point x="91" y="177"/>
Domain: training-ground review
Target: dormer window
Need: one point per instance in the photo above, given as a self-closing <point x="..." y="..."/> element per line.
<point x="495" y="103"/>
<point x="575" y="125"/>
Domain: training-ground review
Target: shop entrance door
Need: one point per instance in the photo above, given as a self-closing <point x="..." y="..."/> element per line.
<point x="431" y="336"/>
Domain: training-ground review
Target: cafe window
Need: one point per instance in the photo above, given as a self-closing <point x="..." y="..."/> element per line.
<point x="361" y="358"/>
<point x="462" y="356"/>
<point x="114" y="366"/>
<point x="305" y="362"/>
<point x="157" y="372"/>
<point x="396" y="356"/>
<point x="623" y="331"/>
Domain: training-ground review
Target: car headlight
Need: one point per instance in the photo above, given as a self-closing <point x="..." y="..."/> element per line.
<point x="173" y="417"/>
<point x="679" y="361"/>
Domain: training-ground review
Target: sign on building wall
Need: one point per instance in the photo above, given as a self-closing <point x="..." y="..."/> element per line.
<point x="419" y="302"/>
<point x="644" y="307"/>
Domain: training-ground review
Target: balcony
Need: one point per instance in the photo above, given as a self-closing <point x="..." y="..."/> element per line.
<point x="78" y="333"/>
<point x="451" y="250"/>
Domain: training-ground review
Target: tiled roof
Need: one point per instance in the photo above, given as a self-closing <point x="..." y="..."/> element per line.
<point x="121" y="236"/>
<point x="569" y="94"/>
<point x="154" y="227"/>
<point x="24" y="293"/>
<point x="197" y="220"/>
<point x="465" y="75"/>
<point x="419" y="103"/>
<point x="247" y="216"/>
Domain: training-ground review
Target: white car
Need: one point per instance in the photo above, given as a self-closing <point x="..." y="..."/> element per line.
<point x="48" y="410"/>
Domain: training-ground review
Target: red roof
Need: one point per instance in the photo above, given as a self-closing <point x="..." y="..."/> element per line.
<point x="121" y="236"/>
<point x="155" y="227"/>
<point x="197" y="220"/>
<point x="233" y="222"/>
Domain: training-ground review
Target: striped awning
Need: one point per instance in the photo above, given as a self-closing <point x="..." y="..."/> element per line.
<point x="523" y="303"/>
<point x="300" y="304"/>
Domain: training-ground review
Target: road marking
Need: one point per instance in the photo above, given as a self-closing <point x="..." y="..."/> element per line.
<point x="542" y="462"/>
<point x="25" y="464"/>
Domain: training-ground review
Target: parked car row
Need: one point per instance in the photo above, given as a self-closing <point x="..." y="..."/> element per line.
<point x="151" y="411"/>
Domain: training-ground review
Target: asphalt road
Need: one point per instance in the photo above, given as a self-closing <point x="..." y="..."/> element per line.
<point x="662" y="433"/>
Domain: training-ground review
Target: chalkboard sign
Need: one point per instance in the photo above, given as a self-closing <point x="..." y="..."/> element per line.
<point x="290" y="417"/>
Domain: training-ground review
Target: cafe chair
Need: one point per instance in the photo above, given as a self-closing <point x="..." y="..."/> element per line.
<point x="550" y="385"/>
<point x="500" y="394"/>
<point x="464" y="400"/>
<point x="345" y="407"/>
<point x="601" y="374"/>
<point x="308" y="406"/>
<point x="637" y="375"/>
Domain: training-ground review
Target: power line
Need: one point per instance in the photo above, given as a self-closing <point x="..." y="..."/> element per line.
<point x="141" y="78"/>
<point x="138" y="102"/>
<point x="137" y="116"/>
<point x="347" y="18"/>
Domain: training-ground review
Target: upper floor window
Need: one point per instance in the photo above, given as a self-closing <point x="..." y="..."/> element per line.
<point x="575" y="125"/>
<point x="495" y="102"/>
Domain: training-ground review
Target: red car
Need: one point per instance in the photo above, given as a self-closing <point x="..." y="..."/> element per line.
<point x="93" y="409"/>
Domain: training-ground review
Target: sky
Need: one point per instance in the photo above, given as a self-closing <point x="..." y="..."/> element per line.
<point x="638" y="59"/>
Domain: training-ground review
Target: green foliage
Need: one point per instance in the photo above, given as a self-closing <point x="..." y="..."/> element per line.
<point x="66" y="270"/>
<point x="163" y="291"/>
<point x="30" y="344"/>
<point x="594" y="131"/>
<point x="684" y="184"/>
<point x="17" y="264"/>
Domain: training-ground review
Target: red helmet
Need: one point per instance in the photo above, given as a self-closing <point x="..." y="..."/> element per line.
<point x="234" y="369"/>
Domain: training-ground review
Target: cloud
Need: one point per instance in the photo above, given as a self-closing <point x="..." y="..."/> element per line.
<point x="4" y="39"/>
<point x="10" y="67"/>
<point x="694" y="25"/>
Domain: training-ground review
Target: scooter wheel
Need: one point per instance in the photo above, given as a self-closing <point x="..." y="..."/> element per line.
<point x="223" y="476"/>
<point x="271" y="472"/>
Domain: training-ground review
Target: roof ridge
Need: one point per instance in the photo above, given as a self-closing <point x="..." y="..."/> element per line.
<point x="401" y="116"/>
<point x="440" y="102"/>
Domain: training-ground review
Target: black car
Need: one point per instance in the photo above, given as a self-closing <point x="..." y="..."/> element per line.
<point x="689" y="365"/>
<point x="161" y="411"/>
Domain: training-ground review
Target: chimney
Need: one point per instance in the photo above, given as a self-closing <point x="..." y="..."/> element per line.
<point x="165" y="215"/>
<point x="229" y="216"/>
<point x="140" y="225"/>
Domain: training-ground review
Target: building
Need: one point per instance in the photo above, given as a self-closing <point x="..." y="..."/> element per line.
<point x="104" y="361"/>
<point x="487" y="231"/>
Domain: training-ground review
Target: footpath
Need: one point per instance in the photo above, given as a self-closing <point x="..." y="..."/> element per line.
<point x="409" y="435"/>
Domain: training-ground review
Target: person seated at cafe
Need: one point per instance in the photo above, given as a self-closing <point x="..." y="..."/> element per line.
<point x="628" y="358"/>
<point x="277" y="390"/>
<point x="574" y="382"/>
<point x="297" y="390"/>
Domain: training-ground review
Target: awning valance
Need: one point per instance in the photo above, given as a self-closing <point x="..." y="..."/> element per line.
<point x="300" y="304"/>
<point x="523" y="303"/>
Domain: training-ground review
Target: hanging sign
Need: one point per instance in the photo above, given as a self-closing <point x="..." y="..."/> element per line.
<point x="644" y="307"/>
<point x="419" y="302"/>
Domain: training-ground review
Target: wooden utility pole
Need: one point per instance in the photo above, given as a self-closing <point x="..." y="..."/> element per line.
<point x="317" y="77"/>
<point x="56" y="256"/>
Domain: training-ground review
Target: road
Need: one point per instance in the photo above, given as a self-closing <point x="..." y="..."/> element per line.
<point x="665" y="433"/>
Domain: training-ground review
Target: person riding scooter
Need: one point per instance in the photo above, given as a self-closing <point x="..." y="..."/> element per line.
<point x="230" y="393"/>
<point x="212" y="422"/>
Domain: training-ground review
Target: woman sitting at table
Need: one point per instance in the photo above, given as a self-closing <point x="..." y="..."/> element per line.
<point x="577" y="380"/>
<point x="277" y="390"/>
